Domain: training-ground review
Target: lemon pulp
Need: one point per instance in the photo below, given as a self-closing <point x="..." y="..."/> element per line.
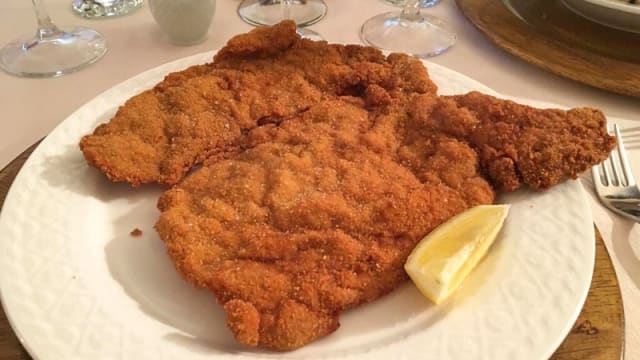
<point x="445" y="257"/>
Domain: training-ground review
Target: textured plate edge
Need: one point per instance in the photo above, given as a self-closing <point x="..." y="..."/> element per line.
<point x="592" y="262"/>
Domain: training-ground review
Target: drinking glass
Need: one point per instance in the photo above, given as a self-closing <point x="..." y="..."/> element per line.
<point x="52" y="52"/>
<point x="409" y="31"/>
<point x="185" y="22"/>
<point x="423" y="3"/>
<point x="267" y="12"/>
<point x="104" y="8"/>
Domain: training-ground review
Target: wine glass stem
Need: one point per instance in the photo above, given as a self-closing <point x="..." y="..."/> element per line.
<point x="46" y="27"/>
<point x="411" y="8"/>
<point x="285" y="5"/>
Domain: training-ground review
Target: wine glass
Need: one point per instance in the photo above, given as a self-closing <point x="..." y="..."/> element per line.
<point x="409" y="31"/>
<point x="267" y="12"/>
<point x="423" y="3"/>
<point x="286" y="8"/>
<point x="52" y="52"/>
<point x="104" y="8"/>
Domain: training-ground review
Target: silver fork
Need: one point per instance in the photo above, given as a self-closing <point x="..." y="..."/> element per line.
<point x="614" y="182"/>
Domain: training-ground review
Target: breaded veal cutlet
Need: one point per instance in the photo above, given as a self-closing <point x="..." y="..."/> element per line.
<point x="322" y="167"/>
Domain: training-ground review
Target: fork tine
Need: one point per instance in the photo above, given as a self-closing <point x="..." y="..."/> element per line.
<point x="615" y="166"/>
<point x="606" y="172"/>
<point x="624" y="160"/>
<point x="595" y="175"/>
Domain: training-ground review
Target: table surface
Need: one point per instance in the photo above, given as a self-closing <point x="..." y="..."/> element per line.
<point x="31" y="108"/>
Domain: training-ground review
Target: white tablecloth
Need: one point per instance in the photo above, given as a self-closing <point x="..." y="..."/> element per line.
<point x="31" y="108"/>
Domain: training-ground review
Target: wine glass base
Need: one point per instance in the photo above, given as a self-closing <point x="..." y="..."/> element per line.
<point x="104" y="8"/>
<point x="58" y="54"/>
<point x="423" y="3"/>
<point x="309" y="34"/>
<point x="269" y="12"/>
<point x="421" y="36"/>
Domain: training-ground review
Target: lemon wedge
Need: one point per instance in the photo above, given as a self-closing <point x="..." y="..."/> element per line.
<point x="446" y="256"/>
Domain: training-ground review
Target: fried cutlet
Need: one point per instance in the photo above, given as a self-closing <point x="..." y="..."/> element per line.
<point x="340" y="160"/>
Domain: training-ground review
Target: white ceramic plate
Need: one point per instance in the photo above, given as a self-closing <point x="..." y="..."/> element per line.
<point x="615" y="14"/>
<point x="76" y="285"/>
